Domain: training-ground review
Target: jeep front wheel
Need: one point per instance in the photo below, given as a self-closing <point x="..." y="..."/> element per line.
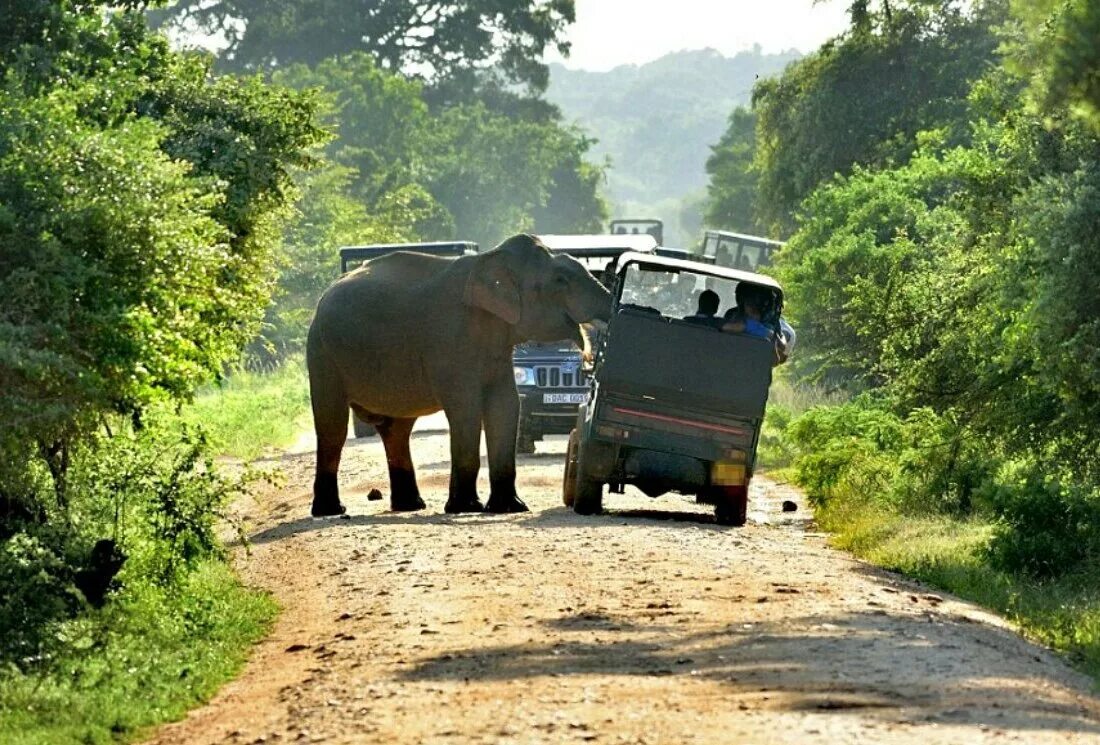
<point x="525" y="444"/>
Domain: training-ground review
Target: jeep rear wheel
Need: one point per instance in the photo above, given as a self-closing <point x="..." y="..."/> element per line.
<point x="588" y="494"/>
<point x="569" y="479"/>
<point x="732" y="510"/>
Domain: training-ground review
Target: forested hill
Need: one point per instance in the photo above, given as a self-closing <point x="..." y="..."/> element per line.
<point x="657" y="121"/>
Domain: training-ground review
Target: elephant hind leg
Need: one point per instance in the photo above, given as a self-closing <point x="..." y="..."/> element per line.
<point x="404" y="493"/>
<point x="330" y="422"/>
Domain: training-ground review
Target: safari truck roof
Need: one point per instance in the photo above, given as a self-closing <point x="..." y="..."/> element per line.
<point x="600" y="244"/>
<point x="743" y="237"/>
<point x="350" y="254"/>
<point x="695" y="267"/>
<point x="682" y="253"/>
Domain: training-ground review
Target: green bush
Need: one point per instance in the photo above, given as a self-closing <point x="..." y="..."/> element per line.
<point x="157" y="493"/>
<point x="152" y="496"/>
<point x="36" y="595"/>
<point x="923" y="463"/>
<point x="1045" y="528"/>
<point x="845" y="450"/>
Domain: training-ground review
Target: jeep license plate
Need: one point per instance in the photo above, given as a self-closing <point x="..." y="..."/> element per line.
<point x="564" y="398"/>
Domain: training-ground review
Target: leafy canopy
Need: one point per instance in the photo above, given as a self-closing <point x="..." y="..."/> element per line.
<point x="863" y="97"/>
<point x="435" y="39"/>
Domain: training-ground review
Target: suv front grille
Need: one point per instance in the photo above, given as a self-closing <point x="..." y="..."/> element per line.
<point x="552" y="376"/>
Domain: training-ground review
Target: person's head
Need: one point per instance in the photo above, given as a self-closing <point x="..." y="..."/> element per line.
<point x="751" y="299"/>
<point x="708" y="303"/>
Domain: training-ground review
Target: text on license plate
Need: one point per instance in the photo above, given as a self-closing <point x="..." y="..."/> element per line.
<point x="563" y="398"/>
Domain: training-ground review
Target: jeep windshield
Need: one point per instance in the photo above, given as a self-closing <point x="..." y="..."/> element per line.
<point x="672" y="286"/>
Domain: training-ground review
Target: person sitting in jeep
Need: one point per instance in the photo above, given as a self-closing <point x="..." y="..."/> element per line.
<point x="748" y="318"/>
<point x="707" y="312"/>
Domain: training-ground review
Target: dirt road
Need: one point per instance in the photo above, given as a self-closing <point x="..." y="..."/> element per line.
<point x="552" y="628"/>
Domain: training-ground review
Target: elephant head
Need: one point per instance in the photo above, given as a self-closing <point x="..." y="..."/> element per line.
<point x="542" y="296"/>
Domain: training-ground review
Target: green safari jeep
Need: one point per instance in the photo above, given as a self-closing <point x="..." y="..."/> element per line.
<point x="676" y="402"/>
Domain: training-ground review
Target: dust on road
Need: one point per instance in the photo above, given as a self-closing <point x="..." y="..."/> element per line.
<point x="548" y="627"/>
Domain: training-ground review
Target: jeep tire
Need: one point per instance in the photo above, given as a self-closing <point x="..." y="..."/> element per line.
<point x="588" y="492"/>
<point x="525" y="443"/>
<point x="731" y="511"/>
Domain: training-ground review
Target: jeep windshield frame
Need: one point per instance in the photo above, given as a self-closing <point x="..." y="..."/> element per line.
<point x="746" y="252"/>
<point x="638" y="226"/>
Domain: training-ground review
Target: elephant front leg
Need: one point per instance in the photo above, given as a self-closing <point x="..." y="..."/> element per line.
<point x="501" y="416"/>
<point x="465" y="425"/>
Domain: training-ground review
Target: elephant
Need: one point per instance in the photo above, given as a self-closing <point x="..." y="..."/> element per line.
<point x="408" y="334"/>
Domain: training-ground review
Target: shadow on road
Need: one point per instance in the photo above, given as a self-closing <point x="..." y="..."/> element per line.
<point x="561" y="517"/>
<point x="841" y="665"/>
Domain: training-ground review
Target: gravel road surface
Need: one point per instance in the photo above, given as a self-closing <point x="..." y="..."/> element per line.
<point x="649" y="624"/>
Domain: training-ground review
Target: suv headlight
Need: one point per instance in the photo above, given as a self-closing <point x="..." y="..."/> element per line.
<point x="524" y="375"/>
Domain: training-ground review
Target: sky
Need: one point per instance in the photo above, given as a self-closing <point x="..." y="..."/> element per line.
<point x="618" y="32"/>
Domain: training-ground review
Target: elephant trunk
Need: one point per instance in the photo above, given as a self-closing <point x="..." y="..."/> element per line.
<point x="594" y="304"/>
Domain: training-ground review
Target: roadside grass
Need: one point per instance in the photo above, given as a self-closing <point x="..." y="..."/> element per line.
<point x="786" y="401"/>
<point x="250" y="412"/>
<point x="144" y="659"/>
<point x="155" y="651"/>
<point x="947" y="553"/>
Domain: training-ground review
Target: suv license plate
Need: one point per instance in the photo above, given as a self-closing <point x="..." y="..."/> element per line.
<point x="564" y="398"/>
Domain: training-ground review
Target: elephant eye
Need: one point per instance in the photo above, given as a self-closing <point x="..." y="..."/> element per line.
<point x="560" y="280"/>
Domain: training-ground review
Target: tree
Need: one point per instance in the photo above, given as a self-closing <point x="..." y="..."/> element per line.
<point x="488" y="173"/>
<point x="140" y="204"/>
<point x="731" y="199"/>
<point x="863" y="97"/>
<point x="430" y="38"/>
<point x="1059" y="50"/>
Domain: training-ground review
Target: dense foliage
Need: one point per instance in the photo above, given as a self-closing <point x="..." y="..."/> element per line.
<point x="141" y="202"/>
<point x="861" y="99"/>
<point x="731" y="203"/>
<point x="436" y="39"/>
<point x="943" y="266"/>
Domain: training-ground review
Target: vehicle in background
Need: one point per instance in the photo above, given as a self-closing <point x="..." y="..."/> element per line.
<point x="639" y="226"/>
<point x="748" y="253"/>
<point x="677" y="404"/>
<point x="352" y="257"/>
<point x="681" y="253"/>
<point x="550" y="376"/>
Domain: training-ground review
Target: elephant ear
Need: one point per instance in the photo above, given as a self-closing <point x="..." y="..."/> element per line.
<point x="494" y="288"/>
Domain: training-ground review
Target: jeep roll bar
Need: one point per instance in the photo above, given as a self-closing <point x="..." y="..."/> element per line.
<point x="670" y="264"/>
